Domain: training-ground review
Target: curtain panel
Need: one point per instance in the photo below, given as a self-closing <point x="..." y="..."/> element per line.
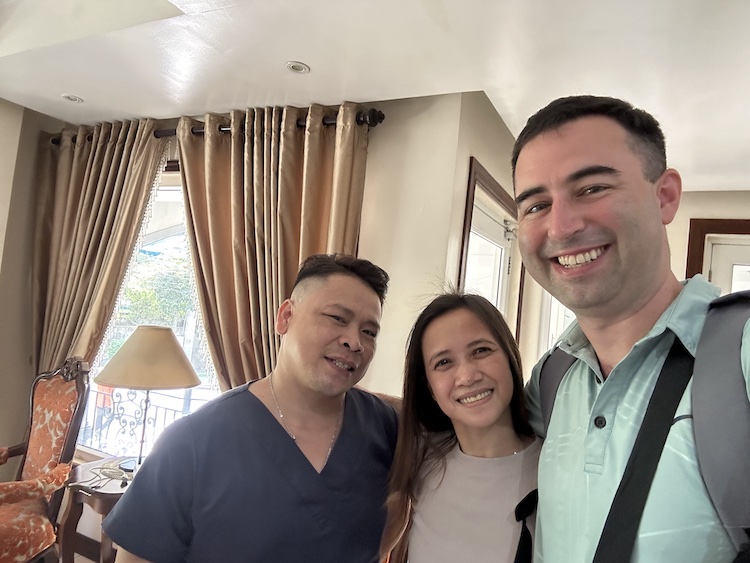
<point x="259" y="200"/>
<point x="91" y="198"/>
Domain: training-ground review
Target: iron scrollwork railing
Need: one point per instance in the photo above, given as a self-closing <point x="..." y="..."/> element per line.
<point x="114" y="420"/>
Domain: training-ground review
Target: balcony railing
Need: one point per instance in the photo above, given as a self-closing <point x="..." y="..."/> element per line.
<point x="114" y="418"/>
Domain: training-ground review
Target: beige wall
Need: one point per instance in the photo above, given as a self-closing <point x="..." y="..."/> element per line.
<point x="415" y="195"/>
<point x="18" y="148"/>
<point x="11" y="117"/>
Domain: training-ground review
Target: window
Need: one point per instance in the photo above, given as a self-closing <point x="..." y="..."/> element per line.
<point x="489" y="262"/>
<point x="556" y="317"/>
<point x="488" y="259"/>
<point x="159" y="289"/>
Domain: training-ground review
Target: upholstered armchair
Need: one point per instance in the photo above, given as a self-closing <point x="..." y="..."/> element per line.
<point x="30" y="504"/>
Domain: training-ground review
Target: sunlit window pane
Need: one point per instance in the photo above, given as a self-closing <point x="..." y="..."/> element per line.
<point x="484" y="265"/>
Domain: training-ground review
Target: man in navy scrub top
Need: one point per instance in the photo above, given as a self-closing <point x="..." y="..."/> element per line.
<point x="292" y="467"/>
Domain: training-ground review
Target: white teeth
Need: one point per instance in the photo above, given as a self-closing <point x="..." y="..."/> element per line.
<point x="571" y="261"/>
<point x="475" y="398"/>
<point x="342" y="365"/>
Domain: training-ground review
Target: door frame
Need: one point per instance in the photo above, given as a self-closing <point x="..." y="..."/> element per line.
<point x="699" y="229"/>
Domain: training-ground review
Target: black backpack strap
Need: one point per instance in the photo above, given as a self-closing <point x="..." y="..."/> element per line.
<point x="621" y="528"/>
<point x="525" y="508"/>
<point x="554" y="368"/>
<point x="721" y="413"/>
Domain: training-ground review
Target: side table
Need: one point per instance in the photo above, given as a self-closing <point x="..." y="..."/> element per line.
<point x="99" y="484"/>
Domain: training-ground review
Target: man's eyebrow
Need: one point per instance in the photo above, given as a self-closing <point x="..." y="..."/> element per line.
<point x="591" y="171"/>
<point x="526" y="194"/>
<point x="573" y="177"/>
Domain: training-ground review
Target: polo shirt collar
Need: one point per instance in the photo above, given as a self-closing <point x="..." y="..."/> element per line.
<point x="684" y="317"/>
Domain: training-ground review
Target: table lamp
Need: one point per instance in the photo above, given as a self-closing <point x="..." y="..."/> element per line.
<point x="151" y="358"/>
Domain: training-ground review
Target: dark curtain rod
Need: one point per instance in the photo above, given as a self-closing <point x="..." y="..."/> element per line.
<point x="372" y="117"/>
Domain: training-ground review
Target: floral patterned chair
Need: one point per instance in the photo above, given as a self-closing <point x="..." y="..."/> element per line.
<point x="29" y="505"/>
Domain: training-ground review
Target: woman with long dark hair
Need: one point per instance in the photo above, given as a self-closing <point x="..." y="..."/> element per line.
<point x="463" y="481"/>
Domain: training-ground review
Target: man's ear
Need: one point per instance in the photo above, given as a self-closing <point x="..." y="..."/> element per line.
<point x="669" y="191"/>
<point x="283" y="316"/>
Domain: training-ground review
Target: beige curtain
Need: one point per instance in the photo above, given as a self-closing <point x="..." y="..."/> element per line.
<point x="259" y="200"/>
<point x="92" y="194"/>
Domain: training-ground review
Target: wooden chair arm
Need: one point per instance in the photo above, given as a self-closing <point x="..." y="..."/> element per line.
<point x="18" y="449"/>
<point x="8" y="452"/>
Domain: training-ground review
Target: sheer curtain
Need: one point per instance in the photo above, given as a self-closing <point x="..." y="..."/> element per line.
<point x="92" y="194"/>
<point x="260" y="199"/>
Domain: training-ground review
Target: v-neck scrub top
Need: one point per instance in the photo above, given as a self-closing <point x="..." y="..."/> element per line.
<point x="227" y="483"/>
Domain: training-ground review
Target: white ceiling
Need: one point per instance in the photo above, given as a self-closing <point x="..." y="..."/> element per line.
<point x="685" y="61"/>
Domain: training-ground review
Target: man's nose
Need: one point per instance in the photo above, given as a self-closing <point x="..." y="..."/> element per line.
<point x="351" y="340"/>
<point x="564" y="220"/>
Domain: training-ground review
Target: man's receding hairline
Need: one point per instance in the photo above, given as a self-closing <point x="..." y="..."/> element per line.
<point x="305" y="285"/>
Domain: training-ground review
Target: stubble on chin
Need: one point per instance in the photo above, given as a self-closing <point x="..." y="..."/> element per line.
<point x="333" y="386"/>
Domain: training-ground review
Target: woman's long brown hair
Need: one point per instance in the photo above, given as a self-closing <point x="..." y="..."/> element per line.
<point x="426" y="434"/>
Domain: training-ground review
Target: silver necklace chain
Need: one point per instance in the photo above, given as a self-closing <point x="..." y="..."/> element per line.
<point x="278" y="408"/>
<point x="291" y="434"/>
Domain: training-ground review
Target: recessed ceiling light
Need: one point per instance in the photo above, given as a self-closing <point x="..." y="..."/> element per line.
<point x="72" y="98"/>
<point x="298" y="67"/>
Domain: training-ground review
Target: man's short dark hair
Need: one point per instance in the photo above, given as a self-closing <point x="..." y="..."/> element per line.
<point x="324" y="265"/>
<point x="647" y="139"/>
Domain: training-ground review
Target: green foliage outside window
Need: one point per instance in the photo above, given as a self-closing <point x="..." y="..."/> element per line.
<point x="162" y="293"/>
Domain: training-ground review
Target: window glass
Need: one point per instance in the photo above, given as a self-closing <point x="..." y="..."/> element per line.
<point x="484" y="269"/>
<point x="159" y="289"/>
<point x="488" y="255"/>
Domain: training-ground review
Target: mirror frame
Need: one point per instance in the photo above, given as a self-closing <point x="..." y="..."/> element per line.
<point x="478" y="174"/>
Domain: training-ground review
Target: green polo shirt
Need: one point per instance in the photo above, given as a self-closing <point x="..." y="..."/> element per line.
<point x="582" y="461"/>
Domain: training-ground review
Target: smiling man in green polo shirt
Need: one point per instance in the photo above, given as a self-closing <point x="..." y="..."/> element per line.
<point x="594" y="195"/>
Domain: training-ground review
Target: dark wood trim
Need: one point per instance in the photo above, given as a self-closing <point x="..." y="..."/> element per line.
<point x="478" y="174"/>
<point x="88" y="547"/>
<point x="492" y="187"/>
<point x="468" y="215"/>
<point x="172" y="166"/>
<point x="521" y="284"/>
<point x="699" y="229"/>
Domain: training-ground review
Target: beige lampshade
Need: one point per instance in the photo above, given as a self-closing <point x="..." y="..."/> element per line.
<point x="151" y="358"/>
